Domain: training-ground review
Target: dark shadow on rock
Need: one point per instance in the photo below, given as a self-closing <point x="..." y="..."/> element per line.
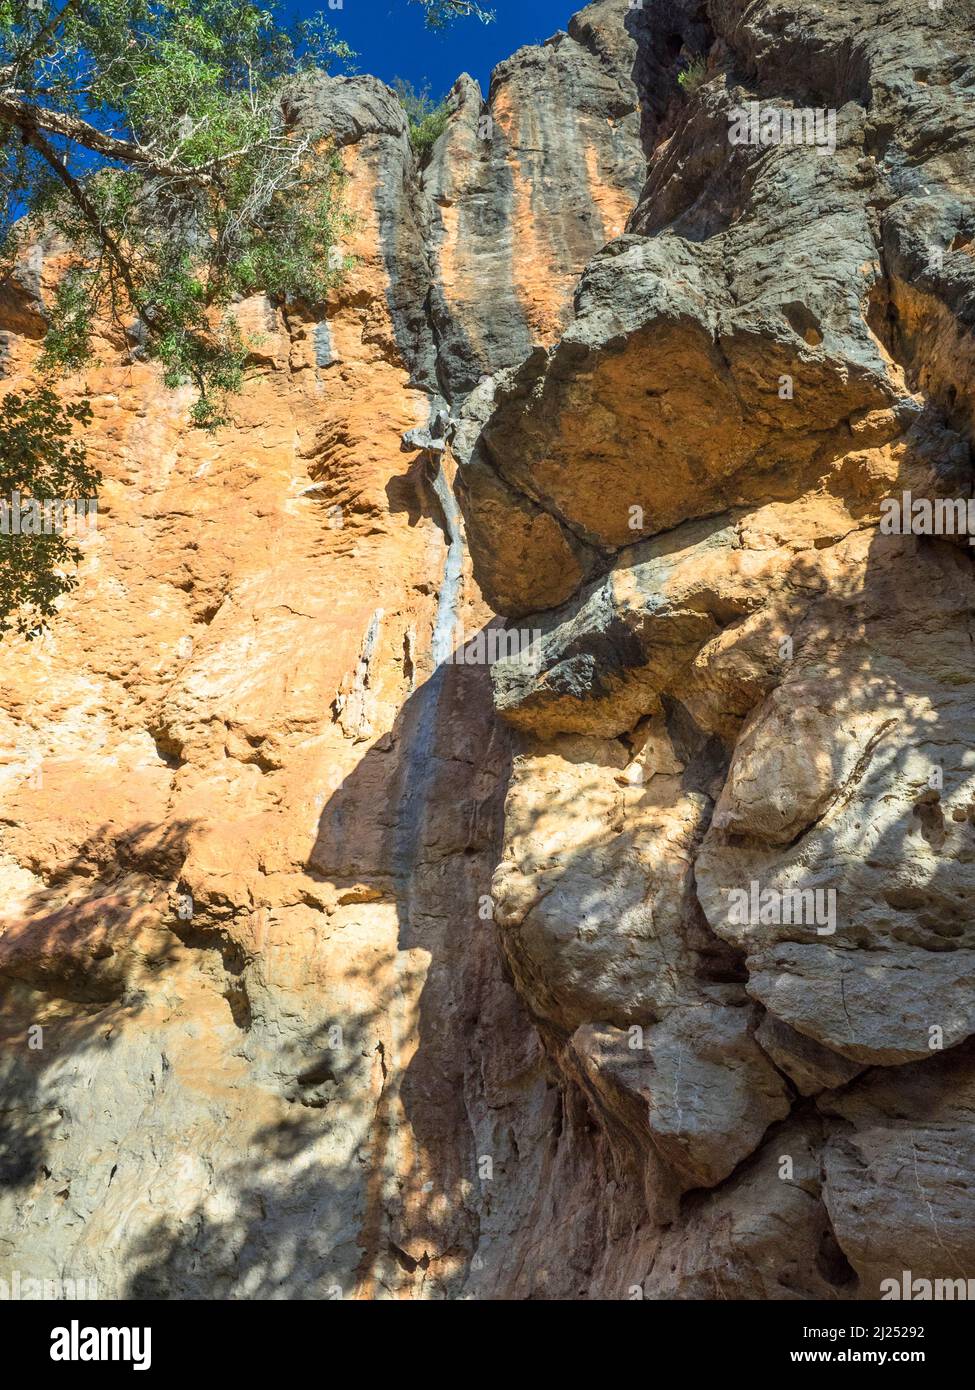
<point x="71" y="963"/>
<point x="415" y="825"/>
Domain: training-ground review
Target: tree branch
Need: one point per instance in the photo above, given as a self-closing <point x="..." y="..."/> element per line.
<point x="47" y="32"/>
<point x="91" y="216"/>
<point x="31" y="120"/>
<point x="38" y="41"/>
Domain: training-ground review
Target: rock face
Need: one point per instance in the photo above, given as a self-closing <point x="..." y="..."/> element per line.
<point x="337" y="962"/>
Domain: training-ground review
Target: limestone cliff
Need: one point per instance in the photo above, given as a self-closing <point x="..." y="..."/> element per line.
<point x="363" y="971"/>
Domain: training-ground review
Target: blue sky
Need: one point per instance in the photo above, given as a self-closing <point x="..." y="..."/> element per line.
<point x="392" y="40"/>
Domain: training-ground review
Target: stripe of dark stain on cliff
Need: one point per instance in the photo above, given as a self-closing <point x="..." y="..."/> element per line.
<point x="403" y="247"/>
<point x="563" y="160"/>
<point x="458" y="363"/>
<point x="502" y="326"/>
<point x="484" y="239"/>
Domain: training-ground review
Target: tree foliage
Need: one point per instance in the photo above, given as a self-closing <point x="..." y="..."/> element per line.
<point x="440" y="13"/>
<point x="693" y="76"/>
<point x="159" y="140"/>
<point x="427" y="118"/>
<point x="40" y="457"/>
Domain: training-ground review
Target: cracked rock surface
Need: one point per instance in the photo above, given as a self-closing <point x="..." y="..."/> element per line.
<point x="746" y="714"/>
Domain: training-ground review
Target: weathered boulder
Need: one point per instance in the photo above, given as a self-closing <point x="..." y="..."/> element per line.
<point x="685" y="505"/>
<point x="707" y="1091"/>
<point x="897" y="1170"/>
